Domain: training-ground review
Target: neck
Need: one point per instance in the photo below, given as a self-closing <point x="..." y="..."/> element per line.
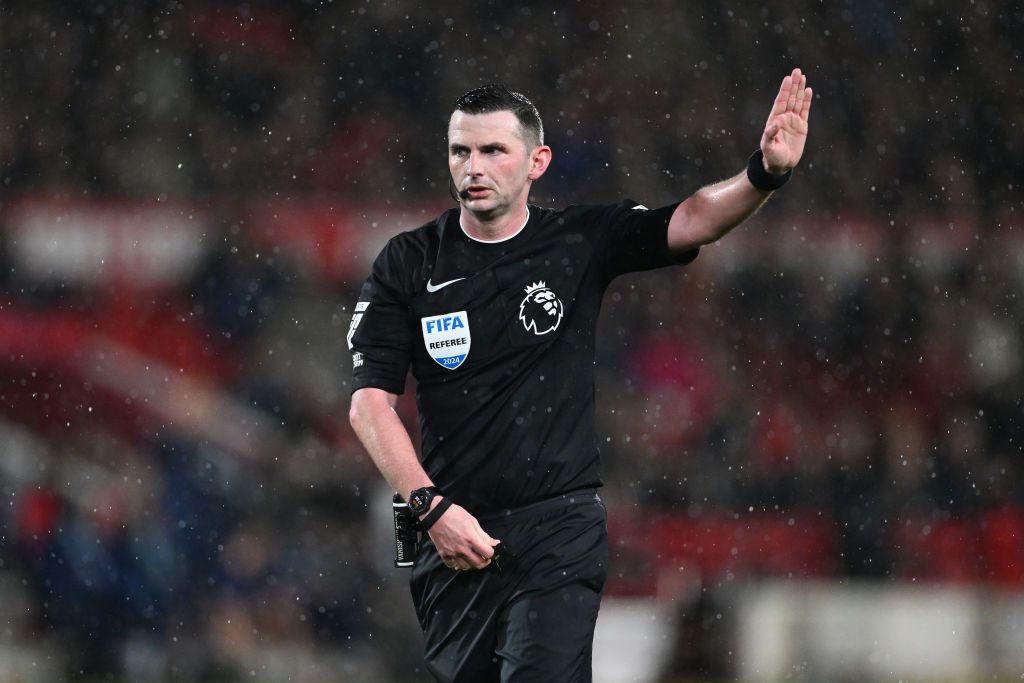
<point x="495" y="229"/>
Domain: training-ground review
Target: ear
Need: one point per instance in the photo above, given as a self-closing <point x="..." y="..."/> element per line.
<point x="539" y="160"/>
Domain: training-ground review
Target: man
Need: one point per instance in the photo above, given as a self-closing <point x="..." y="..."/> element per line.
<point x="494" y="307"/>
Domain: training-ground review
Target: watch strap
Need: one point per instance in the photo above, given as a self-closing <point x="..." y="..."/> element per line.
<point x="435" y="514"/>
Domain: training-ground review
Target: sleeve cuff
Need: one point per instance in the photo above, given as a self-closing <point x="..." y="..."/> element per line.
<point x="390" y="385"/>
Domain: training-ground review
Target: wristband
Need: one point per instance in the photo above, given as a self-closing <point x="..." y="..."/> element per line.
<point x="762" y="179"/>
<point x="435" y="514"/>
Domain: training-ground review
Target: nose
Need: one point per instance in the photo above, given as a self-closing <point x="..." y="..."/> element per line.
<point x="473" y="165"/>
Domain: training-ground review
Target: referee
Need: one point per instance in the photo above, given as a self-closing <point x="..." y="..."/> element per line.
<point x="493" y="306"/>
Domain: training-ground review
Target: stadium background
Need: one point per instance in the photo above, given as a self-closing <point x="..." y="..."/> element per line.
<point x="829" y="400"/>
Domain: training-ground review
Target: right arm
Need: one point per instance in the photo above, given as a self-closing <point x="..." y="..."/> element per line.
<point x="379" y="338"/>
<point x="457" y="535"/>
<point x="373" y="417"/>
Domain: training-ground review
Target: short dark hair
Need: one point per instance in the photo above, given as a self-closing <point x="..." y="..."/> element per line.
<point x="496" y="97"/>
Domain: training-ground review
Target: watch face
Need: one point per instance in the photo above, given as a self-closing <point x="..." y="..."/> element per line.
<point x="418" y="501"/>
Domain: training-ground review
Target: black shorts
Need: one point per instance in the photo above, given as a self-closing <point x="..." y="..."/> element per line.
<point x="532" y="620"/>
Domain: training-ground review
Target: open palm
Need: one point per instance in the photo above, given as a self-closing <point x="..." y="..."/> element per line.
<point x="786" y="130"/>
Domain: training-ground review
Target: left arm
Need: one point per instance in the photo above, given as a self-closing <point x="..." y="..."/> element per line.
<point x="714" y="210"/>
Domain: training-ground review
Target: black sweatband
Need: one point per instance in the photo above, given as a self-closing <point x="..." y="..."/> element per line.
<point x="435" y="514"/>
<point x="762" y="179"/>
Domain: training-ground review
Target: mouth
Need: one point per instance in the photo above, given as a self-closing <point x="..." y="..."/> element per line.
<point x="477" y="191"/>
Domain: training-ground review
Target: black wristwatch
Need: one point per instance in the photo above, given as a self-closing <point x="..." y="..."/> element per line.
<point x="420" y="499"/>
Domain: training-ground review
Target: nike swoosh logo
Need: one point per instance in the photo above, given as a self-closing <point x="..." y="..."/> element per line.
<point x="433" y="288"/>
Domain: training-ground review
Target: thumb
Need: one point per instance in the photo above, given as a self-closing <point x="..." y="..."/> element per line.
<point x="771" y="131"/>
<point x="493" y="542"/>
<point x="488" y="539"/>
<point x="485" y="537"/>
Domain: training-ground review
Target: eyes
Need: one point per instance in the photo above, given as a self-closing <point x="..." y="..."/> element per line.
<point x="489" y="150"/>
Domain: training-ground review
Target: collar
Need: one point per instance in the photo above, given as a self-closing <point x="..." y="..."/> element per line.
<point x="503" y="239"/>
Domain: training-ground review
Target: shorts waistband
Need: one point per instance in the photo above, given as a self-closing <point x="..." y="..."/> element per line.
<point x="561" y="500"/>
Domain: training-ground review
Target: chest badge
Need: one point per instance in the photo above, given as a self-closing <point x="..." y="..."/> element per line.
<point x="541" y="310"/>
<point x="447" y="338"/>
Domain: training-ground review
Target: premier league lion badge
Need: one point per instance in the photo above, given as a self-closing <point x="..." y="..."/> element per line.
<point x="541" y="310"/>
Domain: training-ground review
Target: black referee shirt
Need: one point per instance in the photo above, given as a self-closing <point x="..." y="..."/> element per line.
<point x="500" y="338"/>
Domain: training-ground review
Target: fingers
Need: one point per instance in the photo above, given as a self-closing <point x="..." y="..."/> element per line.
<point x="806" y="108"/>
<point x="781" y="100"/>
<point x="793" y="95"/>
<point x="798" y="103"/>
<point x="481" y="549"/>
<point x="477" y="557"/>
<point x="794" y="88"/>
<point x="461" y="542"/>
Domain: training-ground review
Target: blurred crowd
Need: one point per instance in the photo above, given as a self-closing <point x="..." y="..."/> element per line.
<point x="853" y="353"/>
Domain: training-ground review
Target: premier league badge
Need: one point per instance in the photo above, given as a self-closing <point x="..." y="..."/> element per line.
<point x="541" y="311"/>
<point x="447" y="338"/>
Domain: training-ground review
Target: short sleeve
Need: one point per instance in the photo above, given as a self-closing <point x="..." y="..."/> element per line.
<point x="379" y="336"/>
<point x="636" y="238"/>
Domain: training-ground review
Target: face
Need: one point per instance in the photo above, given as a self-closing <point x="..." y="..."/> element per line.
<point x="489" y="159"/>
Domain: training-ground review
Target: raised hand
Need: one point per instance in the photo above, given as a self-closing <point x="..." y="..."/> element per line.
<point x="786" y="130"/>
